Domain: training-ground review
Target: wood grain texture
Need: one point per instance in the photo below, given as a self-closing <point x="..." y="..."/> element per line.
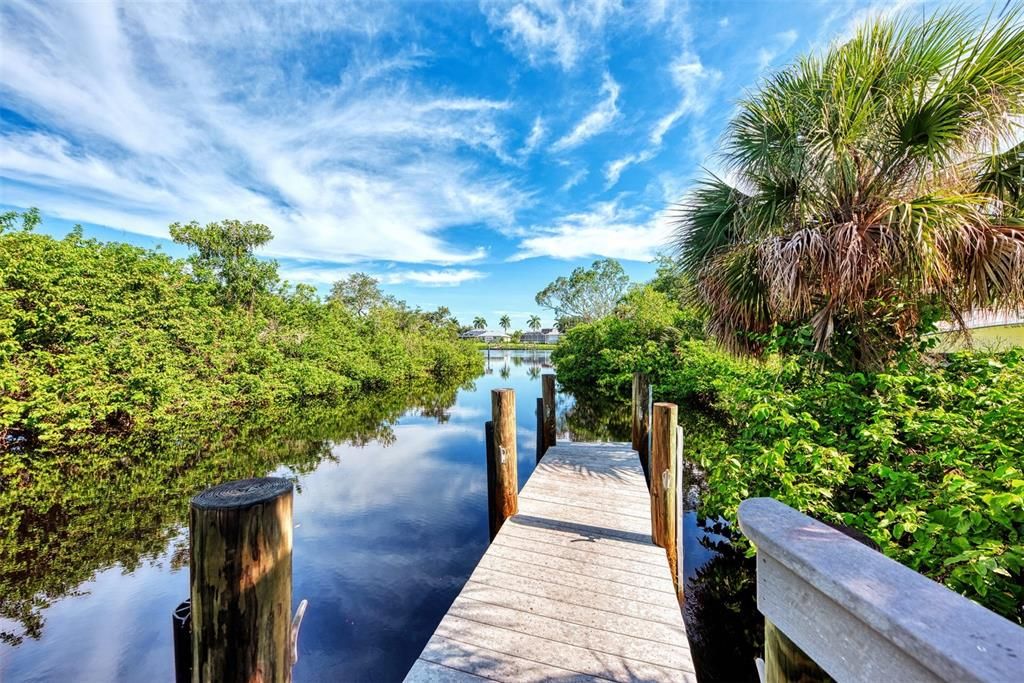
<point x="785" y="662"/>
<point x="241" y="582"/>
<point x="571" y="588"/>
<point x="663" y="477"/>
<point x="541" y="445"/>
<point x="503" y="480"/>
<point x="550" y="410"/>
<point x="863" y="616"/>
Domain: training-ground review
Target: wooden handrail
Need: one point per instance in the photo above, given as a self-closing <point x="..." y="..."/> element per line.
<point x="864" y="617"/>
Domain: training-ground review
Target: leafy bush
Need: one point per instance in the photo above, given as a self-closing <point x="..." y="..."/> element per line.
<point x="924" y="457"/>
<point x="99" y="339"/>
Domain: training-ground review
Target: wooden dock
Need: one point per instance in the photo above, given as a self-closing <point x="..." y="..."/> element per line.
<point x="571" y="589"/>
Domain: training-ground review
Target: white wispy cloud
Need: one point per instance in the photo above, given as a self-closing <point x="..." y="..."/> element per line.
<point x="432" y="278"/>
<point x="575" y="179"/>
<point x="533" y="140"/>
<point x="320" y="275"/>
<point x="597" y="121"/>
<point x="144" y="121"/>
<point x="547" y="31"/>
<point x="609" y="229"/>
<point x="696" y="84"/>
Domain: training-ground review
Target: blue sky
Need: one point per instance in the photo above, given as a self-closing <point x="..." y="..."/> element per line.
<point x="465" y="153"/>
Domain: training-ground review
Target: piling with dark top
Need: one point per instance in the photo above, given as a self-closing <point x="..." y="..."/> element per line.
<point x="548" y="393"/>
<point x="502" y="470"/>
<point x="241" y="581"/>
<point x="642" y="420"/>
<point x="664" y="472"/>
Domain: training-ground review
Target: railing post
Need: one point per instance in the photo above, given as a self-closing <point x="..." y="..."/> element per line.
<point x="241" y="581"/>
<point x="548" y="393"/>
<point x="784" y="661"/>
<point x="502" y="471"/>
<point x="642" y="420"/>
<point x="663" y="480"/>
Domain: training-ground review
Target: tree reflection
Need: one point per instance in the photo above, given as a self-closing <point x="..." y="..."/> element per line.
<point x="125" y="502"/>
<point x="725" y="630"/>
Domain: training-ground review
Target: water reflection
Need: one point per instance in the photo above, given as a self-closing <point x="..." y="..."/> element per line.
<point x="390" y="517"/>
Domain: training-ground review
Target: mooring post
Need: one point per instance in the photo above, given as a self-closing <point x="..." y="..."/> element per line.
<point x="642" y="421"/>
<point x="241" y="582"/>
<point x="663" y="480"/>
<point x="548" y="392"/>
<point x="502" y="471"/>
<point x="540" y="428"/>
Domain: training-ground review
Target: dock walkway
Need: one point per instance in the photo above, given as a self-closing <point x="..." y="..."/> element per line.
<point x="571" y="589"/>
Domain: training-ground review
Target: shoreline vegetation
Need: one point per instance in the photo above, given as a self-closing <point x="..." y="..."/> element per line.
<point x="873" y="190"/>
<point x="102" y="339"/>
<point x="131" y="380"/>
<point x="923" y="457"/>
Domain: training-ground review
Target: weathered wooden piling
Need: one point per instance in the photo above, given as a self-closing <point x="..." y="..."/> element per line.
<point x="548" y="393"/>
<point x="241" y="582"/>
<point x="540" y="429"/>
<point x="502" y="470"/>
<point x="642" y="420"/>
<point x="664" y="471"/>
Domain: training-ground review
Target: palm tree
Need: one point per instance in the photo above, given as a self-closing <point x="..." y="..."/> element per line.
<point x="505" y="323"/>
<point x="871" y="189"/>
<point x="534" y="323"/>
<point x="479" y="323"/>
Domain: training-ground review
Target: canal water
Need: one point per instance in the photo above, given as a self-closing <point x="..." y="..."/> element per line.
<point x="390" y="519"/>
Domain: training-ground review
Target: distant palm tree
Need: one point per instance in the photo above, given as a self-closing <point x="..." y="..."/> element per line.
<point x="868" y="188"/>
<point x="534" y="323"/>
<point x="479" y="323"/>
<point x="505" y="323"/>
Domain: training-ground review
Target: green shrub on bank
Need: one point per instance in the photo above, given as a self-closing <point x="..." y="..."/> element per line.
<point x="925" y="457"/>
<point x="99" y="339"/>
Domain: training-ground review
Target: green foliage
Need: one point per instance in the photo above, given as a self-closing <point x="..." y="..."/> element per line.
<point x="130" y="380"/>
<point x="640" y="336"/>
<point x="586" y="294"/>
<point x="359" y="293"/>
<point x="100" y="339"/>
<point x="224" y="256"/>
<point x="925" y="457"/>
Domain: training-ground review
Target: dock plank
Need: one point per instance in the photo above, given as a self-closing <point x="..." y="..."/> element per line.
<point x="571" y="589"/>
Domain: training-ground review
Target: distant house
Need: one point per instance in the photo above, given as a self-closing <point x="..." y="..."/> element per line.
<point x="547" y="335"/>
<point x="488" y="336"/>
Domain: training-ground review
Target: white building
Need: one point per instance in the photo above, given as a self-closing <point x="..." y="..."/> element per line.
<point x="546" y="335"/>
<point x="488" y="336"/>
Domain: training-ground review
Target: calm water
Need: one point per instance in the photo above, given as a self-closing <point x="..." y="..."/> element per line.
<point x="391" y="517"/>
